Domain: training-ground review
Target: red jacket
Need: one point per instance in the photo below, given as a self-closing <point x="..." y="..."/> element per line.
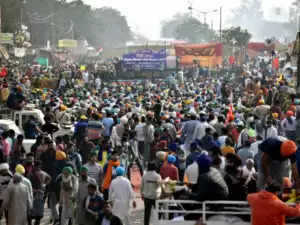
<point x="268" y="209"/>
<point x="169" y="170"/>
<point x="3" y="72"/>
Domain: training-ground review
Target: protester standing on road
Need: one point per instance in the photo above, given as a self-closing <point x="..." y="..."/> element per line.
<point x="93" y="204"/>
<point x="95" y="171"/>
<point x="5" y="179"/>
<point x="39" y="179"/>
<point x="121" y="195"/>
<point x="110" y="172"/>
<point x="84" y="181"/>
<point x="17" y="202"/>
<point x="69" y="188"/>
<point x="274" y="165"/>
<point x="108" y="216"/>
<point x="150" y="190"/>
<point x="268" y="209"/>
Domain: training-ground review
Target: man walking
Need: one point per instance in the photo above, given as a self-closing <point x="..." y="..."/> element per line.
<point x="17" y="202"/>
<point x="121" y="194"/>
<point x="150" y="190"/>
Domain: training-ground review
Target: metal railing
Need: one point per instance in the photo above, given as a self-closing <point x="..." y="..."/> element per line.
<point x="236" y="209"/>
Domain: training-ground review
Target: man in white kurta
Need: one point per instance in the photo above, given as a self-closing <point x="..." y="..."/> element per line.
<point x="121" y="195"/>
<point x="17" y="202"/>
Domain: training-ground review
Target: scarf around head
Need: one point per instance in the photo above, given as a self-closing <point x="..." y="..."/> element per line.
<point x="107" y="178"/>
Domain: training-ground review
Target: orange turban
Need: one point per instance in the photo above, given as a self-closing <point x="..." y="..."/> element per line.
<point x="289" y="113"/>
<point x="288" y="148"/>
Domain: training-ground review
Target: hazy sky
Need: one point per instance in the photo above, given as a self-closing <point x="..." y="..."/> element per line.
<point x="145" y="16"/>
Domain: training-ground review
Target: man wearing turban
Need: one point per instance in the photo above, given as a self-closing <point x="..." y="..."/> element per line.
<point x="121" y="195"/>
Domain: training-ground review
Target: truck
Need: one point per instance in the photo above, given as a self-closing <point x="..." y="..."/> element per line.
<point x="6" y="125"/>
<point x="16" y="120"/>
<point x="20" y="117"/>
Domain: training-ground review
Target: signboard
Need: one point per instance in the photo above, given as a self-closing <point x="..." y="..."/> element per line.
<point x="205" y="54"/>
<point x="7" y="38"/>
<point x="146" y="59"/>
<point x="42" y="61"/>
<point x="67" y="43"/>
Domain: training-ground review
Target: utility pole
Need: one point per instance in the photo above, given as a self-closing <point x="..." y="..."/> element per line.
<point x="0" y="18"/>
<point x="220" y="24"/>
<point x="190" y="8"/>
<point x="297" y="51"/>
<point x="204" y="14"/>
<point x="297" y="48"/>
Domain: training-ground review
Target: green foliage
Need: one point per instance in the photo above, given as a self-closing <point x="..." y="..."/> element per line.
<point x="236" y="36"/>
<point x="61" y="19"/>
<point x="11" y="11"/>
<point x="187" y="28"/>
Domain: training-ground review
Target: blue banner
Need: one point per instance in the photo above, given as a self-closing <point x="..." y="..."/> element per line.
<point x="145" y="60"/>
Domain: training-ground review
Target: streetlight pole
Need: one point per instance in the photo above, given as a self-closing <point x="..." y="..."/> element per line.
<point x="297" y="48"/>
<point x="220" y="24"/>
<point x="0" y="18"/>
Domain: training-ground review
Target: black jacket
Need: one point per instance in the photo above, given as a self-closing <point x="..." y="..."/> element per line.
<point x="114" y="221"/>
<point x="210" y="187"/>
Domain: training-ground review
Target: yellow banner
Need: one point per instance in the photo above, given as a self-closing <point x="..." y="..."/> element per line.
<point x="67" y="43"/>
<point x="207" y="61"/>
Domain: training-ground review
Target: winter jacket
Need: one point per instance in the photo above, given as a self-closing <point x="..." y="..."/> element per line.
<point x="268" y="209"/>
<point x="210" y="186"/>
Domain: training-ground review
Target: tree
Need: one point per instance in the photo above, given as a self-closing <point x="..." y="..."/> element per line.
<point x="11" y="11"/>
<point x="187" y="28"/>
<point x="114" y="31"/>
<point x="168" y="28"/>
<point x="61" y="19"/>
<point x="235" y="36"/>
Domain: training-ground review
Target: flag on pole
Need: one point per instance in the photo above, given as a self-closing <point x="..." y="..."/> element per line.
<point x="99" y="51"/>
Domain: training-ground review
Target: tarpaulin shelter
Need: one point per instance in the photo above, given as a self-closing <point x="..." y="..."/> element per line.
<point x="210" y="54"/>
<point x="257" y="48"/>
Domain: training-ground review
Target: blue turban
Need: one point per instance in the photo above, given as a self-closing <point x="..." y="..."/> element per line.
<point x="173" y="147"/>
<point x="120" y="171"/>
<point x="204" y="162"/>
<point x="194" y="145"/>
<point x="171" y="159"/>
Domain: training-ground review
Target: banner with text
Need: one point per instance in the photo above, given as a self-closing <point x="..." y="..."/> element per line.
<point x="146" y="59"/>
<point x="204" y="54"/>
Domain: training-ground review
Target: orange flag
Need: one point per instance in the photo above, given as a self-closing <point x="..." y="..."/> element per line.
<point x="230" y="115"/>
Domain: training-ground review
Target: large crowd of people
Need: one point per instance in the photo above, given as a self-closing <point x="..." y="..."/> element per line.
<point x="232" y="135"/>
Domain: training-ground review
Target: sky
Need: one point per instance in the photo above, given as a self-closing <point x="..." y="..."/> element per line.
<point x="145" y="16"/>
